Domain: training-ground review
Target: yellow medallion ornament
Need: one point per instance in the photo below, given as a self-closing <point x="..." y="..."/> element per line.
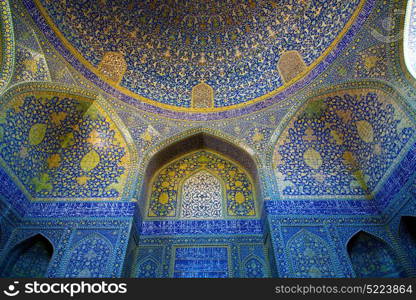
<point x="172" y="173"/>
<point x="240" y="198"/>
<point x="90" y="161"/>
<point x="365" y="131"/>
<point x="337" y="137"/>
<point x="165" y="184"/>
<point x="82" y="180"/>
<point x="312" y="158"/>
<point x="94" y="138"/>
<point x="54" y="161"/>
<point x="37" y="134"/>
<point x="164" y="198"/>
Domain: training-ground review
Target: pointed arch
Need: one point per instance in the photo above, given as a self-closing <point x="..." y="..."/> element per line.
<point x="202" y="96"/>
<point x="26" y="236"/>
<point x="147" y="268"/>
<point x="89" y="257"/>
<point x="197" y="138"/>
<point x="29" y="258"/>
<point x="377" y="234"/>
<point x="202" y="169"/>
<point x="310" y="256"/>
<point x="372" y="257"/>
<point x="254" y="267"/>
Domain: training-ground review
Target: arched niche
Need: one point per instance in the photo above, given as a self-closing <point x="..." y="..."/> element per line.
<point x="199" y="142"/>
<point x="254" y="267"/>
<point x="89" y="258"/>
<point x="201" y="185"/>
<point x="372" y="257"/>
<point x="291" y="65"/>
<point x="202" y="96"/>
<point x="202" y="168"/>
<point x="310" y="256"/>
<point x="407" y="233"/>
<point x="148" y="268"/>
<point x="28" y="259"/>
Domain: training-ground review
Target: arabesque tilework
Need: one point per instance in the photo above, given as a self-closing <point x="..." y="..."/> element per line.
<point x="66" y="147"/>
<point x="312" y="177"/>
<point x="178" y="46"/>
<point x="170" y="192"/>
<point x="341" y="144"/>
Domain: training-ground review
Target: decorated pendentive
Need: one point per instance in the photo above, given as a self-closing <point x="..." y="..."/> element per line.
<point x="201" y="185"/>
<point x="59" y="145"/>
<point x="341" y="144"/>
<point x="310" y="256"/>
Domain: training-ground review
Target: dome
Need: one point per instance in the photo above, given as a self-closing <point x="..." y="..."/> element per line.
<point x="198" y="56"/>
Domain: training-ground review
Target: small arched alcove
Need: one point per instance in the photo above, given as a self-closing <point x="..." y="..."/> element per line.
<point x="89" y="257"/>
<point x="28" y="259"/>
<point x="201" y="200"/>
<point x="310" y="256"/>
<point x="407" y="232"/>
<point x="372" y="257"/>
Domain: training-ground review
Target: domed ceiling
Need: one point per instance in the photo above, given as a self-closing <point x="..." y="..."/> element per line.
<point x="199" y="56"/>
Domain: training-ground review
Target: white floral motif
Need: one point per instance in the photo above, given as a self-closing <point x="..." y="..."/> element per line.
<point x="202" y="197"/>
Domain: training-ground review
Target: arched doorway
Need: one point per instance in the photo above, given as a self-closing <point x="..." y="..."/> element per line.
<point x="201" y="213"/>
<point x="407" y="232"/>
<point x="373" y="258"/>
<point x="28" y="259"/>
